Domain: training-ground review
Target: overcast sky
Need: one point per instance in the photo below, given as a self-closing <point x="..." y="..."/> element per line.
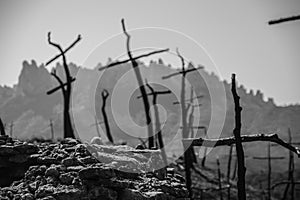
<point x="234" y="33"/>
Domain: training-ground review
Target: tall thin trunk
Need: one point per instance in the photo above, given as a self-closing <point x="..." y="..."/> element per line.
<point x="219" y="179"/>
<point x="229" y="171"/>
<point x="2" y="128"/>
<point x="105" y="95"/>
<point x="241" y="185"/>
<point x="269" y="171"/>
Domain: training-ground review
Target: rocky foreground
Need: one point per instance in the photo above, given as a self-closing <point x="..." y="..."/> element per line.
<point x="72" y="170"/>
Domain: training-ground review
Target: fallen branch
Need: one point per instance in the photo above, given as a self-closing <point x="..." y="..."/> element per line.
<point x="283" y="183"/>
<point x="244" y="138"/>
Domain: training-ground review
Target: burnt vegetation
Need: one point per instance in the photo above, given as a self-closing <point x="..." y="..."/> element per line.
<point x="235" y="177"/>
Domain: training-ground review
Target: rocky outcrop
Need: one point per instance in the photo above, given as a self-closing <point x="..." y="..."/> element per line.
<point x="72" y="170"/>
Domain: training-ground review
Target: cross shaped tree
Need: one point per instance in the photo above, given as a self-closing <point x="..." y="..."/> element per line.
<point x="139" y="78"/>
<point x="66" y="87"/>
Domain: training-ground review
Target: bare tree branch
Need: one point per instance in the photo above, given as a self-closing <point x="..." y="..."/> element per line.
<point x="283" y="183"/>
<point x="181" y="72"/>
<point x="286" y="19"/>
<point x="135" y="58"/>
<point x="244" y="138"/>
<point x="59" y="87"/>
<point x="65" y="51"/>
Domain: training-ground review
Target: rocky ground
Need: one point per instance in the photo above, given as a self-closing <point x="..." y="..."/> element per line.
<point x="72" y="170"/>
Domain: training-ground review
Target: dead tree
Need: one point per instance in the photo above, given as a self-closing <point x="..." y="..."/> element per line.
<point x="51" y="129"/>
<point x="219" y="179"/>
<point x="285" y="19"/>
<point x="184" y="109"/>
<point x="138" y="75"/>
<point x="11" y="128"/>
<point x="291" y="168"/>
<point x="155" y="94"/>
<point x="66" y="87"/>
<point x="241" y="170"/>
<point x="229" y="170"/>
<point x="97" y="127"/>
<point x="238" y="140"/>
<point x="269" y="158"/>
<point x="2" y="128"/>
<point x="105" y="95"/>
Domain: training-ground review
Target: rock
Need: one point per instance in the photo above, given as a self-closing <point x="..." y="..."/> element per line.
<point x="52" y="171"/>
<point x="159" y="196"/>
<point x="69" y="141"/>
<point x="89" y="160"/>
<point x="28" y="196"/>
<point x="45" y="190"/>
<point x="131" y="194"/>
<point x="26" y="148"/>
<point x="96" y="140"/>
<point x="99" y="192"/>
<point x="96" y="172"/>
<point x="68" y="193"/>
<point x="66" y="178"/>
<point x="8" y="150"/>
<point x="20" y="158"/>
<point x="70" y="162"/>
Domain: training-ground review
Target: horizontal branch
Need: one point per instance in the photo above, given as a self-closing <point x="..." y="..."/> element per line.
<point x="283" y="183"/>
<point x="65" y="51"/>
<point x="245" y="138"/>
<point x="181" y="72"/>
<point x="197" y="97"/>
<point x="286" y="19"/>
<point x="196" y="127"/>
<point x="59" y="87"/>
<point x="157" y="93"/>
<point x="266" y="158"/>
<point x="134" y="58"/>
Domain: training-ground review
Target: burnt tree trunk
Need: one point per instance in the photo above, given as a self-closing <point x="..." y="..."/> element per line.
<point x="142" y="88"/>
<point x="241" y="170"/>
<point x="65" y="87"/>
<point x="105" y="95"/>
<point x="219" y="179"/>
<point x="229" y="171"/>
<point x="2" y="128"/>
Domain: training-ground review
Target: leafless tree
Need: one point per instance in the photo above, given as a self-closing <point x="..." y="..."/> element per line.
<point x="158" y="131"/>
<point x="105" y="95"/>
<point x="66" y="88"/>
<point x="184" y="110"/>
<point x="2" y="128"/>
<point x="139" y="78"/>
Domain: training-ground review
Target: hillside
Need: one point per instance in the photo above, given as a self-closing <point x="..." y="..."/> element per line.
<point x="28" y="106"/>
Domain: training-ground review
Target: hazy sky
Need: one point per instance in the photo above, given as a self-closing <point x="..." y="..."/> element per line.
<point x="235" y="34"/>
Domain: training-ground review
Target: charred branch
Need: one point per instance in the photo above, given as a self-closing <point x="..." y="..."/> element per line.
<point x="286" y="19"/>
<point x="105" y="95"/>
<point x="244" y="138"/>
<point x="135" y="58"/>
